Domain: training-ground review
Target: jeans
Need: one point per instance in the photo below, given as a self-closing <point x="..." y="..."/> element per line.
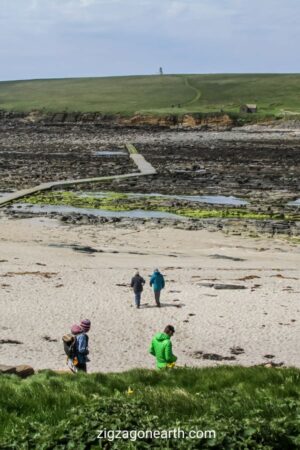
<point x="137" y="296"/>
<point x="157" y="297"/>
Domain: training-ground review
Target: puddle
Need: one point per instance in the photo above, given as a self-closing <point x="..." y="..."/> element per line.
<point x="110" y="153"/>
<point x="294" y="202"/>
<point x="5" y="194"/>
<point x="190" y="171"/>
<point x="61" y="209"/>
<point x="211" y="199"/>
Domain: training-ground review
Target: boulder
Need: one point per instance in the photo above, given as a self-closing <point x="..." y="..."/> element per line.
<point x="24" y="371"/>
<point x="7" y="369"/>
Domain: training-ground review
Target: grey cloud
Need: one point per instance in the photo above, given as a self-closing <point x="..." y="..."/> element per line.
<point x="43" y="38"/>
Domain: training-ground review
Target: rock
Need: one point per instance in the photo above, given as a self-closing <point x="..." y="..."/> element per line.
<point x="248" y="277"/>
<point x="237" y="350"/>
<point x="84" y="249"/>
<point x="24" y="371"/>
<point x="231" y="258"/>
<point x="7" y="369"/>
<point x="21" y="370"/>
<point x="222" y="286"/>
<point x="10" y="341"/>
<point x="211" y="356"/>
<point x="272" y="364"/>
<point x="48" y="338"/>
<point x="229" y="286"/>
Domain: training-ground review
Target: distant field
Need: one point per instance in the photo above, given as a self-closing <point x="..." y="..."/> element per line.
<point x="274" y="94"/>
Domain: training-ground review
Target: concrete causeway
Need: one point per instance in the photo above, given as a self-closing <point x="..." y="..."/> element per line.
<point x="144" y="167"/>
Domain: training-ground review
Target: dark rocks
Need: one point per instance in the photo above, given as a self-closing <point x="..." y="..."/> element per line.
<point x="7" y="369"/>
<point x="231" y="258"/>
<point x="49" y="339"/>
<point x="10" y="341"/>
<point x="37" y="148"/>
<point x="237" y="350"/>
<point x="212" y="356"/>
<point x="248" y="227"/>
<point x="24" y="371"/>
<point x="84" y="249"/>
<point x="272" y="364"/>
<point x="21" y="370"/>
<point x="222" y="286"/>
<point x="248" y="277"/>
<point x="229" y="286"/>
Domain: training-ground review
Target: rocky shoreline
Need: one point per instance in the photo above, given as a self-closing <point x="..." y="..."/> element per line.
<point x="246" y="227"/>
<point x="258" y="163"/>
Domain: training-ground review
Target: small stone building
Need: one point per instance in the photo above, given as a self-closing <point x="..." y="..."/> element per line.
<point x="248" y="108"/>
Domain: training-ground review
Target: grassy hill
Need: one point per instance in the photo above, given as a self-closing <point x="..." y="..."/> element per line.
<point x="275" y="94"/>
<point x="248" y="408"/>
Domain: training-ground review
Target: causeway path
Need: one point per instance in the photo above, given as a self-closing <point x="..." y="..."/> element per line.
<point x="145" y="168"/>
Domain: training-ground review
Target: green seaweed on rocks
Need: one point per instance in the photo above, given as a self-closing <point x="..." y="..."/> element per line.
<point x="116" y="201"/>
<point x="228" y="213"/>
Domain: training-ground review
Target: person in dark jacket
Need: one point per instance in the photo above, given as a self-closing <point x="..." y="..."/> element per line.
<point x="158" y="282"/>
<point x="137" y="283"/>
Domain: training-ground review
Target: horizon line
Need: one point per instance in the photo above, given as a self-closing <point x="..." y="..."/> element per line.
<point x="145" y="75"/>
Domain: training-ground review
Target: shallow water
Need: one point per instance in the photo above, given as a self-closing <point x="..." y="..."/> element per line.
<point x="295" y="202"/>
<point x="210" y="199"/>
<point x="5" y="194"/>
<point x="110" y="153"/>
<point x="61" y="209"/>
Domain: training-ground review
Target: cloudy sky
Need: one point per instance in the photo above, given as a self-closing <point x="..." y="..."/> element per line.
<point x="74" y="38"/>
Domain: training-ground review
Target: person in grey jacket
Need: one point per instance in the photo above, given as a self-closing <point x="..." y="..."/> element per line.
<point x="137" y="283"/>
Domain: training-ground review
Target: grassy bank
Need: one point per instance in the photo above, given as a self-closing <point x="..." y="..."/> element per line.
<point x="123" y="202"/>
<point x="249" y="408"/>
<point x="168" y="94"/>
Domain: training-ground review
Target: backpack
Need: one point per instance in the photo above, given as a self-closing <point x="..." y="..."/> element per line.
<point x="69" y="342"/>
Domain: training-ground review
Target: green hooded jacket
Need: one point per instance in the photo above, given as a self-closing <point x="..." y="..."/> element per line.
<point x="161" y="348"/>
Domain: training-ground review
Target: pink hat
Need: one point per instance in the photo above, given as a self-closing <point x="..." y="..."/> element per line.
<point x="85" y="324"/>
<point x="76" y="329"/>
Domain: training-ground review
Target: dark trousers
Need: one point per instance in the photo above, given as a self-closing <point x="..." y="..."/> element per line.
<point x="157" y="297"/>
<point x="137" y="297"/>
<point x="81" y="367"/>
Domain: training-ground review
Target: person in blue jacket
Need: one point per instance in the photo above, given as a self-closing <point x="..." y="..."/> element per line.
<point x="82" y="343"/>
<point x="158" y="282"/>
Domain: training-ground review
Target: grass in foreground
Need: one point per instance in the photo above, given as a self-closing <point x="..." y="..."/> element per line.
<point x="158" y="95"/>
<point x="249" y="408"/>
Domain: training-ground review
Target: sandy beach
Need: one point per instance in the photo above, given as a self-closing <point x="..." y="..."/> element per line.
<point x="46" y="286"/>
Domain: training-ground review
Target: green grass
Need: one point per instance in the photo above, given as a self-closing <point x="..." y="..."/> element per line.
<point x="273" y="93"/>
<point x="249" y="408"/>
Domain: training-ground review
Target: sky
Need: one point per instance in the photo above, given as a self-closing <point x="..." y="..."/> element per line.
<point x="78" y="38"/>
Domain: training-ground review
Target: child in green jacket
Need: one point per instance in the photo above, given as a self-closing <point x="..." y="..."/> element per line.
<point x="161" y="348"/>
